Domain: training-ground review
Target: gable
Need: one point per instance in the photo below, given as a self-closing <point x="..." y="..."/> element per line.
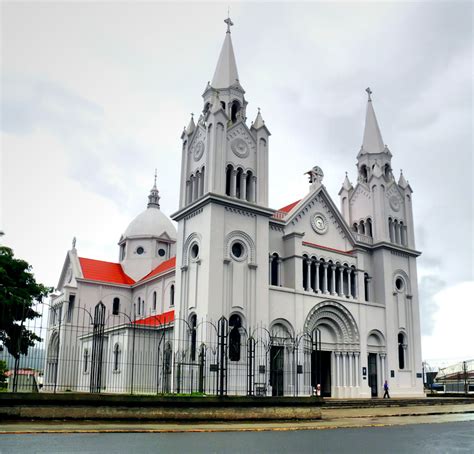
<point x="320" y="221"/>
<point x="395" y="201"/>
<point x="241" y="145"/>
<point x="71" y="270"/>
<point x="196" y="148"/>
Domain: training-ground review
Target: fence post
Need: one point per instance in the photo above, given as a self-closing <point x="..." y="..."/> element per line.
<point x="222" y="333"/>
<point x="251" y="367"/>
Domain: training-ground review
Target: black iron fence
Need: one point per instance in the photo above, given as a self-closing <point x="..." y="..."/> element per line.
<point x="94" y="350"/>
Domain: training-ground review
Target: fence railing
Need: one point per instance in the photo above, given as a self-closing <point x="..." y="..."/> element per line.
<point x="95" y="351"/>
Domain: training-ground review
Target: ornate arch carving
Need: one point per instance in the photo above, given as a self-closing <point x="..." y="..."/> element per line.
<point x="193" y="237"/>
<point x="245" y="238"/>
<point x="402" y="274"/>
<point x="348" y="332"/>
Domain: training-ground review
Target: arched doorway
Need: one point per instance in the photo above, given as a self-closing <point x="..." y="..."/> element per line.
<point x="335" y="349"/>
<point x="376" y="353"/>
<point x="281" y="345"/>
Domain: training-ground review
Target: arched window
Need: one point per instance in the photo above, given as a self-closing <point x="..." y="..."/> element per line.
<point x="366" y="286"/>
<point x="139" y="306"/>
<point x="355" y="227"/>
<point x="154" y="301"/>
<point x="390" y="230"/>
<point x="368" y="227"/>
<point x="228" y="177"/>
<point x="401" y="351"/>
<point x="86" y="360"/>
<point x="364" y="173"/>
<point x="116" y="357"/>
<point x="223" y="105"/>
<point x="275" y="263"/>
<point x="192" y="327"/>
<point x="321" y="275"/>
<point x="235" y="323"/>
<point x="362" y="227"/>
<point x="116" y="306"/>
<point x="172" y="295"/>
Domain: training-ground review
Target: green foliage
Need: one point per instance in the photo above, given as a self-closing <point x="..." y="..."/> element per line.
<point x="3" y="376"/>
<point x="18" y="291"/>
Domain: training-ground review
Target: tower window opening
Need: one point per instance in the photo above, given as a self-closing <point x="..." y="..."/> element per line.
<point x="368" y="227"/>
<point x="238" y="185"/>
<point x="116" y="358"/>
<point x="248" y="182"/>
<point x="116" y="306"/>
<point x="223" y="105"/>
<point x="154" y="301"/>
<point x="401" y="351"/>
<point x="228" y="176"/>
<point x="172" y="295"/>
<point x="234" y="110"/>
<point x="235" y="322"/>
<point x="366" y="287"/>
<point x="305" y="272"/>
<point x="275" y="265"/>
<point x="364" y="173"/>
<point x="192" y="327"/>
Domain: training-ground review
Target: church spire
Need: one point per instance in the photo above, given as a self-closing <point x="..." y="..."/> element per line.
<point x="372" y="142"/>
<point x="154" y="197"/>
<point x="226" y="74"/>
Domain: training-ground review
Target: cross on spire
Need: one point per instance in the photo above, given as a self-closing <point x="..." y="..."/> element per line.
<point x="154" y="185"/>
<point x="369" y="92"/>
<point x="229" y="22"/>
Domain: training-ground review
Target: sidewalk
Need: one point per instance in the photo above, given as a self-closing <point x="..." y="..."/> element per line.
<point x="332" y="418"/>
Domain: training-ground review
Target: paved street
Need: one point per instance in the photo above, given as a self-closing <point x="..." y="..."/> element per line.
<point x="417" y="438"/>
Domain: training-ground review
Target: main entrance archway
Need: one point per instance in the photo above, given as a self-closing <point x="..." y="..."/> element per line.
<point x="335" y="360"/>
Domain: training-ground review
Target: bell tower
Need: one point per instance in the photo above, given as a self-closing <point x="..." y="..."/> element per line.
<point x="223" y="227"/>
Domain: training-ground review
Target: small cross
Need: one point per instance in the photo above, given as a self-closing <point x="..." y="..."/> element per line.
<point x="369" y="92"/>
<point x="229" y="23"/>
<point x="155" y="176"/>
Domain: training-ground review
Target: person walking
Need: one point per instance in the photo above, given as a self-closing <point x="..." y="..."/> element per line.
<point x="385" y="388"/>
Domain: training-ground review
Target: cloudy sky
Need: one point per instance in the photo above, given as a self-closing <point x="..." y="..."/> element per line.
<point x="94" y="96"/>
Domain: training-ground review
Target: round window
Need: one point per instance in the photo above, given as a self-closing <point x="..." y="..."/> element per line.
<point x="195" y="251"/>
<point x="161" y="252"/>
<point x="140" y="250"/>
<point x="399" y="284"/>
<point x="237" y="250"/>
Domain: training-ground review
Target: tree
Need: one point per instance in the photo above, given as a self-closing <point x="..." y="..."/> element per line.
<point x="18" y="292"/>
<point x="3" y="373"/>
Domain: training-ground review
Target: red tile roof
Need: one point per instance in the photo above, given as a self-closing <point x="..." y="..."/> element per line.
<point x="97" y="270"/>
<point x="288" y="208"/>
<point x="161" y="268"/>
<point x="320" y="246"/>
<point x="157" y="320"/>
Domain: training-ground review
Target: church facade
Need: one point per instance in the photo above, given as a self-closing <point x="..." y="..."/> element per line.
<point x="272" y="302"/>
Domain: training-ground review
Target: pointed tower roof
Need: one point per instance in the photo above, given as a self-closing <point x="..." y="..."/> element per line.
<point x="347" y="185"/>
<point x="191" y="126"/>
<point x="226" y="73"/>
<point x="259" y="121"/>
<point x="372" y="142"/>
<point x="154" y="197"/>
<point x="401" y="181"/>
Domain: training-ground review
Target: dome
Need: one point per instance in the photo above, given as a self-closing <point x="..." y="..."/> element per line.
<point x="151" y="222"/>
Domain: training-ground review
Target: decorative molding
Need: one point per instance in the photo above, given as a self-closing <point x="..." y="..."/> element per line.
<point x="194" y="213"/>
<point x="240" y="211"/>
<point x="277" y="228"/>
<point x="244" y="238"/>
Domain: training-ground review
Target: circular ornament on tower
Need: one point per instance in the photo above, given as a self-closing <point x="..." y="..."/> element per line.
<point x="394" y="202"/>
<point x="198" y="150"/>
<point x="239" y="147"/>
<point x="319" y="223"/>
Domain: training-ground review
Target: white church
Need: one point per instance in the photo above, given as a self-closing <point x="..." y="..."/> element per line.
<point x="242" y="298"/>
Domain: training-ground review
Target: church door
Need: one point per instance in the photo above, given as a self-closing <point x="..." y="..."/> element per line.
<point x="373" y="373"/>
<point x="276" y="370"/>
<point x="321" y="371"/>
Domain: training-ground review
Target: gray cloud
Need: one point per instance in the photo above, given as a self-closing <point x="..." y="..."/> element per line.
<point x="428" y="287"/>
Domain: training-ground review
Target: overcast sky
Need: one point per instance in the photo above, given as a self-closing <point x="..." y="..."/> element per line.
<point x="94" y="96"/>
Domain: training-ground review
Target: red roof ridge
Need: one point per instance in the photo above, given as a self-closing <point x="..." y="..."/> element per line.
<point x="307" y="243"/>
<point x="288" y="208"/>
<point x="100" y="270"/>
<point x="156" y="320"/>
<point x="161" y="268"/>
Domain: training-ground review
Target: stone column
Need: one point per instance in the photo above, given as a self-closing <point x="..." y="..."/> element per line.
<point x="233" y="182"/>
<point x="341" y="281"/>
<point x="308" y="275"/>
<point x="317" y="277"/>
<point x="325" y="281"/>
<point x="270" y="260"/>
<point x="382" y="367"/>
<point x="333" y="280"/>
<point x="279" y="261"/>
<point x="243" y="186"/>
<point x="357" y="369"/>
<point x="189" y="191"/>
<point x="338" y="367"/>
<point x="254" y="189"/>
<point x="356" y="285"/>
<point x="344" y="378"/>
<point x="349" y="282"/>
<point x="397" y="233"/>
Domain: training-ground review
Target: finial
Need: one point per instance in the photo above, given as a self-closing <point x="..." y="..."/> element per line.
<point x="228" y="21"/>
<point x="154" y="184"/>
<point x="369" y="92"/>
<point x="192" y="115"/>
<point x="74" y="242"/>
